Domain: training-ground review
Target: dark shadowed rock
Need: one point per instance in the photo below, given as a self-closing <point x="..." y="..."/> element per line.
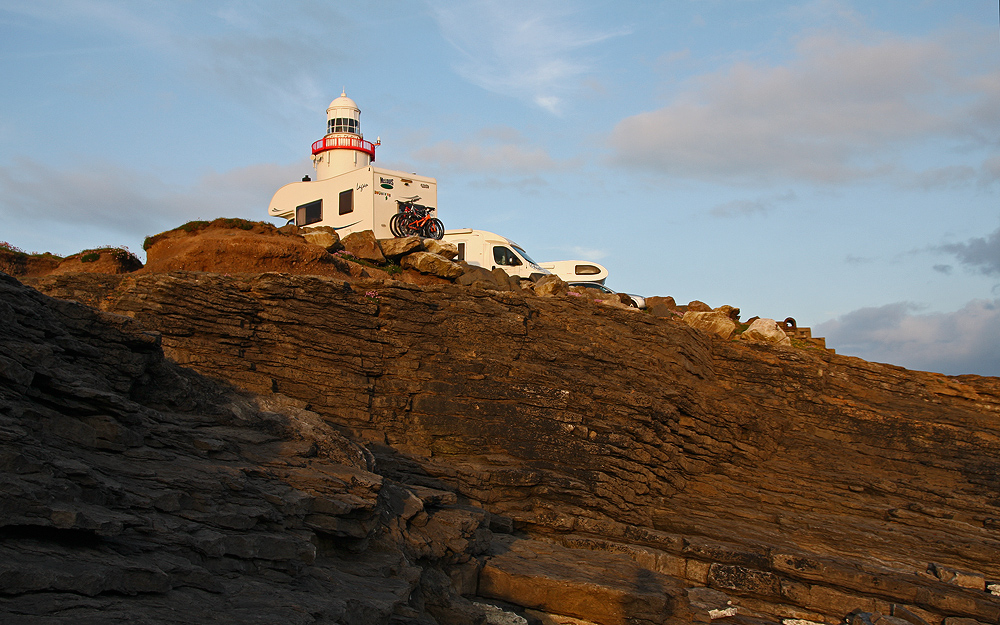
<point x="140" y="492"/>
<point x="799" y="483"/>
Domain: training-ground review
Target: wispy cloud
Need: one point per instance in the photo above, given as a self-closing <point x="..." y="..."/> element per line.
<point x="265" y="49"/>
<point x="528" y="50"/>
<point x="750" y="208"/>
<point x="963" y="341"/>
<point x="144" y="22"/>
<point x="259" y="48"/>
<point x="844" y="109"/>
<point x="981" y="254"/>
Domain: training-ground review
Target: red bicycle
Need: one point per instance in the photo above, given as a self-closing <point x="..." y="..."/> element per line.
<point x="414" y="219"/>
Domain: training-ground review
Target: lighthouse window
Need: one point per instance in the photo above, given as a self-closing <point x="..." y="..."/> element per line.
<point x="309" y="213"/>
<point x="346" y="201"/>
<point x="342" y="124"/>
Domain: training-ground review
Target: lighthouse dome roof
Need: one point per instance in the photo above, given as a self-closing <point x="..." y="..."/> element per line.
<point x="342" y="102"/>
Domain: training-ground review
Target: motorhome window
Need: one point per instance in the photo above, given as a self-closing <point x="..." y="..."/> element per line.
<point x="504" y="256"/>
<point x="586" y="270"/>
<point x="461" y="251"/>
<point x="524" y="255"/>
<point x="310" y="213"/>
<point x="347" y="201"/>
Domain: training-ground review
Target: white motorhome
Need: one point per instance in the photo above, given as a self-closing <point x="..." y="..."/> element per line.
<point x="349" y="193"/>
<point x="363" y="199"/>
<point x="490" y="250"/>
<point x="577" y="270"/>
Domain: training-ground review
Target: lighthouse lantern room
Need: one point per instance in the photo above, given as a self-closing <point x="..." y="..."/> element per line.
<point x="349" y="193"/>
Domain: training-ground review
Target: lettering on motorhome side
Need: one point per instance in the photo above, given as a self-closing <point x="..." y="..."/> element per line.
<point x="385" y="183"/>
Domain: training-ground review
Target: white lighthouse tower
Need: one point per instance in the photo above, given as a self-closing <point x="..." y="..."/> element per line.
<point x="350" y="194"/>
<point x="343" y="149"/>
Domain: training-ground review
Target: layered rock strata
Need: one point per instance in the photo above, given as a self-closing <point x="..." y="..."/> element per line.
<point x="803" y="485"/>
<point x="136" y="491"/>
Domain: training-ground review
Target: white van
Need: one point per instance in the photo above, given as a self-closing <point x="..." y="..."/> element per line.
<point x="577" y="270"/>
<point x="490" y="250"/>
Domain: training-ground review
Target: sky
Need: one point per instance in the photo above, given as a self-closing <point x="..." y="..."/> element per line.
<point x="835" y="161"/>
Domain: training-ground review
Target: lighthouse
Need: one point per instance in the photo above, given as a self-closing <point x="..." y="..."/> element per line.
<point x="350" y="193"/>
<point x="344" y="148"/>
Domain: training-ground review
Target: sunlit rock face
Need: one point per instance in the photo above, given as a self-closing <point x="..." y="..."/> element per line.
<point x="499" y="446"/>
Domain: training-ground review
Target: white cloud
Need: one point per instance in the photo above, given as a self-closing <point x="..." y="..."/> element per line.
<point x="499" y="151"/>
<point x="964" y="341"/>
<point x="130" y="204"/>
<point x="842" y="110"/>
<point x="528" y="50"/>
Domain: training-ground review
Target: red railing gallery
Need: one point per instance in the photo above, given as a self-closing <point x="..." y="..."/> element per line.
<point x="339" y="143"/>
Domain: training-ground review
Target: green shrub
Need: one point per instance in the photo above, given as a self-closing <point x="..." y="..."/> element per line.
<point x="193" y="226"/>
<point x="89" y="257"/>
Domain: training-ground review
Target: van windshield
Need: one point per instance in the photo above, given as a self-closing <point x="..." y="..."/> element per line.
<point x="523" y="254"/>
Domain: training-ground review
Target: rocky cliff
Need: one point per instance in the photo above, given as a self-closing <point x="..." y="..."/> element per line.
<point x="562" y="459"/>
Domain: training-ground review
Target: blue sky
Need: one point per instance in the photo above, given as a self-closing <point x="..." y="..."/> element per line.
<point x="835" y="161"/>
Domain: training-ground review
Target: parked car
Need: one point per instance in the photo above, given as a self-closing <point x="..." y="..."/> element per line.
<point x="637" y="300"/>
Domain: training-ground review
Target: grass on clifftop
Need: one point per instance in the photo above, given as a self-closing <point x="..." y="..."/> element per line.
<point x="119" y="252"/>
<point x="230" y="223"/>
<point x="16" y="251"/>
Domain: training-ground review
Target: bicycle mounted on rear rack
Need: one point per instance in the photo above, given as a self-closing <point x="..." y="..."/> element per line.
<point x="415" y="219"/>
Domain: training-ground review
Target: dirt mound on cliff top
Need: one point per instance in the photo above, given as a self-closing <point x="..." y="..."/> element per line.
<point x="16" y="262"/>
<point x="104" y="260"/>
<point x="238" y="246"/>
<point x="113" y="260"/>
